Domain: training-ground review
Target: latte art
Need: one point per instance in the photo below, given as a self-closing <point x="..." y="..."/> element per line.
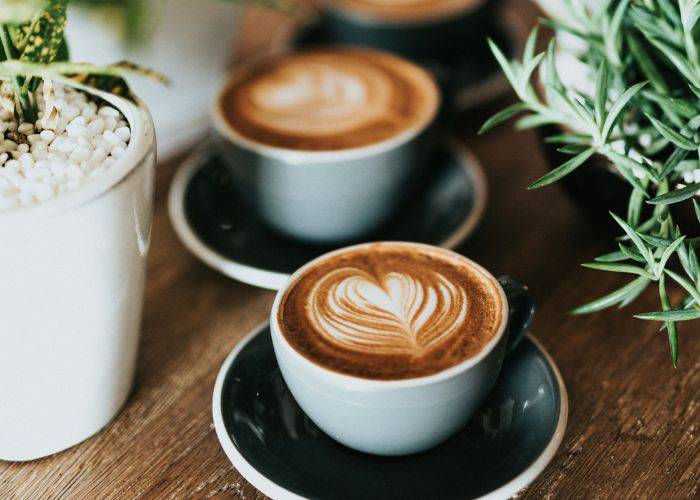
<point x="390" y="311"/>
<point x="396" y="314"/>
<point x="328" y="100"/>
<point x="320" y="98"/>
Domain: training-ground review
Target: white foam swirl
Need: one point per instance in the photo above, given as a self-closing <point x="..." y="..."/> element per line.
<point x="396" y="314"/>
<point x="320" y="96"/>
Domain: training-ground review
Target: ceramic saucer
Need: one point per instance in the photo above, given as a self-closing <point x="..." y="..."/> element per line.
<point x="277" y="448"/>
<point x="469" y="77"/>
<point x="218" y="228"/>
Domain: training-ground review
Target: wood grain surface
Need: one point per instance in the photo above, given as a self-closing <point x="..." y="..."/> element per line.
<point x="633" y="423"/>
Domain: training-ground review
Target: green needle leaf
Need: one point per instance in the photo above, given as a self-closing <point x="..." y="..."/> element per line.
<point x="670" y="325"/>
<point x="631" y="164"/>
<point x="503" y="62"/>
<point x="676" y="195"/>
<point x="656" y="241"/>
<point x="667" y="255"/>
<point x="618" y="256"/>
<point x="672" y="135"/>
<point x="601" y="93"/>
<point x="636" y="240"/>
<point x="631" y="254"/>
<point x="693" y="291"/>
<point x="563" y="170"/>
<point x="674" y="315"/>
<point x="618" y="107"/>
<point x="502" y="116"/>
<point x="620" y="268"/>
<point x="614" y="298"/>
<point x="673" y="161"/>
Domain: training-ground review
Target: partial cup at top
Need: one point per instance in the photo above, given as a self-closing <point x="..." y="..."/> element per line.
<point x="326" y="143"/>
<point x="390" y="347"/>
<point x="431" y="29"/>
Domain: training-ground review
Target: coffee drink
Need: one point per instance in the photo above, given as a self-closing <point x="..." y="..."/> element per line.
<point x="391" y="311"/>
<point x="405" y="10"/>
<point x="329" y="100"/>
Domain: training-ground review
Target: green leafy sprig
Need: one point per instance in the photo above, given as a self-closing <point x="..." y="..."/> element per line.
<point x="644" y="117"/>
<point x="33" y="48"/>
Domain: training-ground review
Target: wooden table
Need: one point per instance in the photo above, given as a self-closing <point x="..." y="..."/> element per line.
<point x="633" y="422"/>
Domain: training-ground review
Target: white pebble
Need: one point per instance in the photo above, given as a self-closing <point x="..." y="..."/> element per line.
<point x="108" y="111"/>
<point x="86" y="141"/>
<point x="47" y="135"/>
<point x="124" y="133"/>
<point x="67" y="146"/>
<point x="25" y="128"/>
<point x="111" y="137"/>
<point x="80" y="154"/>
<point x="76" y="130"/>
<point x="97" y="126"/>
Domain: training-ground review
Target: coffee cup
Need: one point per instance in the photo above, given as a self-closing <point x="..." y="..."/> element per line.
<point x="325" y="144"/>
<point x="390" y="347"/>
<point x="417" y="29"/>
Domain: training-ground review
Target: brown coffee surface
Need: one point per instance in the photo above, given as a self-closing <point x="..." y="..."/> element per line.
<point x="390" y="312"/>
<point x="329" y="99"/>
<point x="405" y="10"/>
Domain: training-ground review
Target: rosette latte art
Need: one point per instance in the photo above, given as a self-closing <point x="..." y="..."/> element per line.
<point x="329" y="100"/>
<point x="390" y="312"/>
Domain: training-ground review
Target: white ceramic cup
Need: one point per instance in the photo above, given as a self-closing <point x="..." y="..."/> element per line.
<point x="325" y="196"/>
<point x="400" y="417"/>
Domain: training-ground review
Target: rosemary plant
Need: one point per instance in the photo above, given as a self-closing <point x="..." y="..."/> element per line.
<point x="644" y="117"/>
<point x="33" y="48"/>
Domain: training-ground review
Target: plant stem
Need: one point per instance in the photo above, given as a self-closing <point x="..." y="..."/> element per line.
<point x="27" y="110"/>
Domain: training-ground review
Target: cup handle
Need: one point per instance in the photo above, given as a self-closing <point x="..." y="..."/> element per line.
<point x="522" y="306"/>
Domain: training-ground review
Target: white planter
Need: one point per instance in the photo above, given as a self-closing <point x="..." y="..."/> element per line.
<point x="71" y="292"/>
<point x="191" y="44"/>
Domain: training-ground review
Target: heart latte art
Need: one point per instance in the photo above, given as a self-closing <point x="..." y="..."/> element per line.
<point x="395" y="314"/>
<point x="390" y="311"/>
<point x="332" y="99"/>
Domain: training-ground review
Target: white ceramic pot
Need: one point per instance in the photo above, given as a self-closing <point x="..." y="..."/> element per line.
<point x="191" y="43"/>
<point x="71" y="291"/>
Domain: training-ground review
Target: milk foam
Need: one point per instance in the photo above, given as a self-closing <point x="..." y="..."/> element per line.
<point x="393" y="314"/>
<point x="329" y="99"/>
<point x="320" y="97"/>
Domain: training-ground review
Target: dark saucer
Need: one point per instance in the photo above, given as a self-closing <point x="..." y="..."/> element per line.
<point x="272" y="443"/>
<point x="219" y="229"/>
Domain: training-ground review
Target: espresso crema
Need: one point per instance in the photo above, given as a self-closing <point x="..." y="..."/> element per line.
<point x="329" y="99"/>
<point x="390" y="312"/>
<point x="405" y="10"/>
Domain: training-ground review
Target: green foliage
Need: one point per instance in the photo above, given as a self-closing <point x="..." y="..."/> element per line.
<point x="644" y="117"/>
<point x="33" y="47"/>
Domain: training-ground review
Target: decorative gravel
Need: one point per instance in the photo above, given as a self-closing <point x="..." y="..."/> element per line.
<point x="38" y="164"/>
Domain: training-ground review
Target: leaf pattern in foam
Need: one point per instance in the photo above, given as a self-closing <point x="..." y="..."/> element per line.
<point x="393" y="314"/>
